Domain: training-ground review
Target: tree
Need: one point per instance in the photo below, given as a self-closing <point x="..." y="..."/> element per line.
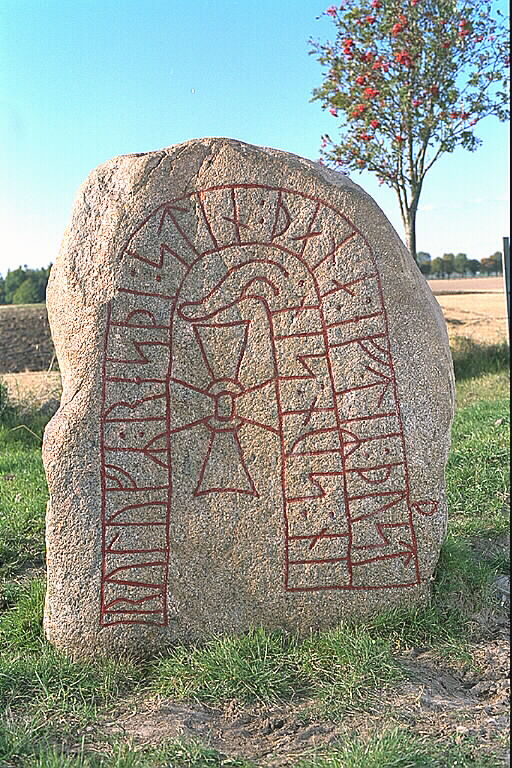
<point x="424" y="262"/>
<point x="13" y="280"/>
<point x="498" y="260"/>
<point x="36" y="278"/>
<point x="448" y="263"/>
<point x="485" y="266"/>
<point x="409" y="80"/>
<point x="474" y="266"/>
<point x="2" y="290"/>
<point x="460" y="263"/>
<point x="39" y="278"/>
<point x="26" y="293"/>
<point x="492" y="264"/>
<point x="438" y="267"/>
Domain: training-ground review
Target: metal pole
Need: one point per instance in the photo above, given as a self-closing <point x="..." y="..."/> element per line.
<point x="506" y="279"/>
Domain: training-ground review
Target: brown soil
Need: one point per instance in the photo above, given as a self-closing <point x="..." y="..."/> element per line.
<point x="467" y="285"/>
<point x="441" y="701"/>
<point x="481" y="317"/>
<point x="36" y="388"/>
<point x="25" y="341"/>
<point x="473" y="307"/>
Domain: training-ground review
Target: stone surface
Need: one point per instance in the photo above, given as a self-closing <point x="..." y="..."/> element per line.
<point x="257" y="398"/>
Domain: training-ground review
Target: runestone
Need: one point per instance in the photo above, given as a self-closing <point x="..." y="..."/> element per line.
<point x="257" y="400"/>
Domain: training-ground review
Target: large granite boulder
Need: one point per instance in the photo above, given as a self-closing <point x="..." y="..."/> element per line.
<point x="257" y="399"/>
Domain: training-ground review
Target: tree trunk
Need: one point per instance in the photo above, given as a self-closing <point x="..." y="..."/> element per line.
<point x="408" y="210"/>
<point x="410" y="231"/>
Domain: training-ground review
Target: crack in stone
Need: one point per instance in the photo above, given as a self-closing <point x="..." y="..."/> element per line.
<point x="150" y="169"/>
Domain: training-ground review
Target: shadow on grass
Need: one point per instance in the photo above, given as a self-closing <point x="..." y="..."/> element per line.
<point x="472" y="359"/>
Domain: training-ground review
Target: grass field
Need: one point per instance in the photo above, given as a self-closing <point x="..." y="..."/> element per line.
<point x="424" y="687"/>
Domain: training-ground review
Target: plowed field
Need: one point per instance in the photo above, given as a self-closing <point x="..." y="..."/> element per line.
<point x="479" y="316"/>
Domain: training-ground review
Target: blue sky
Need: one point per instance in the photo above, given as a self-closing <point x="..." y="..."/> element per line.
<point x="83" y="81"/>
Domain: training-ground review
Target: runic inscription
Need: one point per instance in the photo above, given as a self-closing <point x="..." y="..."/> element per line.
<point x="240" y="329"/>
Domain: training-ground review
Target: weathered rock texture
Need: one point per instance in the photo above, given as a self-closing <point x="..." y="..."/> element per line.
<point x="257" y="401"/>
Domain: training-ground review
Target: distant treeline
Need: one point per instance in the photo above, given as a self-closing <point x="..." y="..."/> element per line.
<point x="24" y="285"/>
<point x="28" y="286"/>
<point x="450" y="264"/>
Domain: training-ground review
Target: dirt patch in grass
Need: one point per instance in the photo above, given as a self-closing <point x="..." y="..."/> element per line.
<point x="451" y="700"/>
<point x="464" y="702"/>
<point x="272" y="736"/>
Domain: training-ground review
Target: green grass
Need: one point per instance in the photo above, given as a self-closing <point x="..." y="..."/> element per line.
<point x="50" y="700"/>
<point x="396" y="748"/>
<point x="17" y="750"/>
<point x="472" y="359"/>
<point x="477" y="471"/>
<point x="23" y="496"/>
<point x="256" y="666"/>
<point x="71" y="688"/>
<point x="338" y="668"/>
<point x="23" y="491"/>
<point x="488" y="388"/>
<point x="20" y="626"/>
<point x="347" y="665"/>
<point x="51" y="694"/>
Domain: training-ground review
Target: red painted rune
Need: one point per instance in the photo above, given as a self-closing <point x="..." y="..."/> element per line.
<point x="241" y="353"/>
